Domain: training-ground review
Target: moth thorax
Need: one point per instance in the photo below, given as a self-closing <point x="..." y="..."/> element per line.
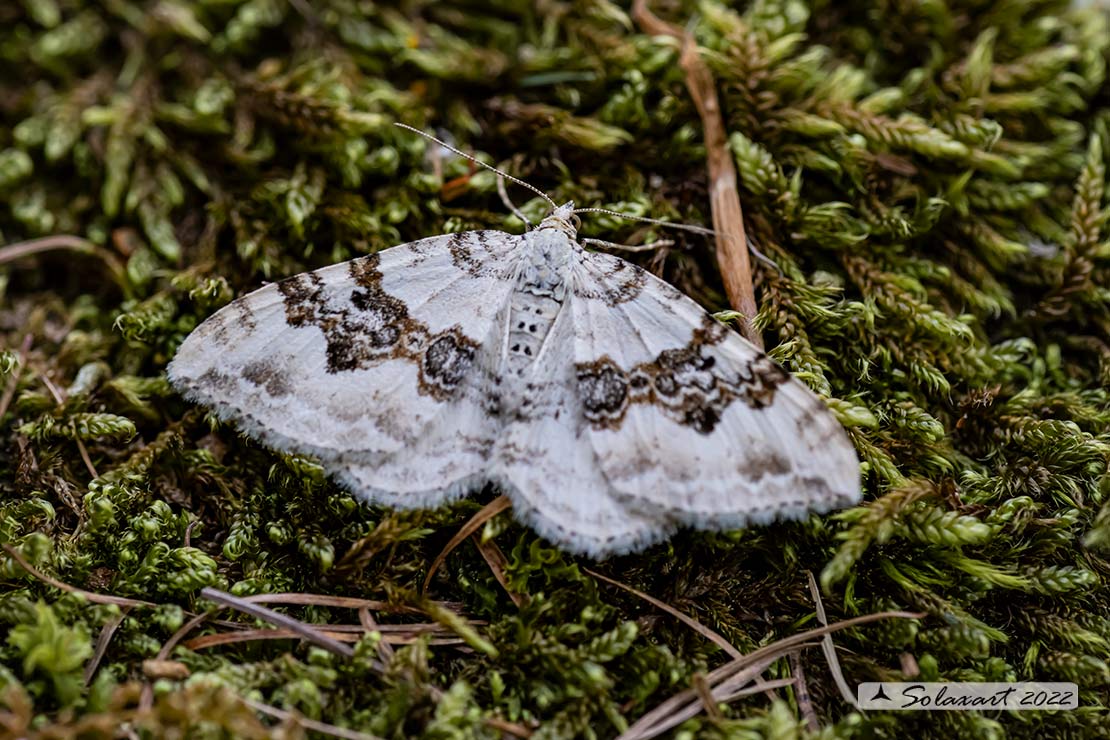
<point x="544" y="268"/>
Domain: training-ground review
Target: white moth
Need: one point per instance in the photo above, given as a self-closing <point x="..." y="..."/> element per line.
<point x="610" y="407"/>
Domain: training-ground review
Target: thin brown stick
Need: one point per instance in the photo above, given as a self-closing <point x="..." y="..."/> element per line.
<point x="724" y="198"/>
<point x="183" y="630"/>
<point x="512" y="728"/>
<point x="257" y="635"/>
<point x="95" y="598"/>
<point x="189" y="532"/>
<point x="342" y="602"/>
<point x="497" y="563"/>
<point x="487" y="512"/>
<point x="13" y="382"/>
<point x="689" y="621"/>
<point x="828" y="648"/>
<point x="231" y="638"/>
<point x="84" y="452"/>
<point x="146" y="696"/>
<point x="309" y="724"/>
<point x="419" y="628"/>
<point x="18" y="250"/>
<point x="705" y="695"/>
<point x="366" y="619"/>
<point x="778" y="683"/>
<point x="55" y="391"/>
<point x="801" y="692"/>
<point x="102" y="642"/>
<point x="645" y="730"/>
<point x="60" y="398"/>
<point x="306" y="631"/>
<point x="735" y="674"/>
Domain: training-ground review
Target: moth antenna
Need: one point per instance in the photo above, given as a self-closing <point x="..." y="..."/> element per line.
<point x="630" y="217"/>
<point x="478" y="162"/>
<point x="504" y="194"/>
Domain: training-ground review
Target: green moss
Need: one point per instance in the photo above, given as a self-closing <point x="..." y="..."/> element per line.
<point x="928" y="180"/>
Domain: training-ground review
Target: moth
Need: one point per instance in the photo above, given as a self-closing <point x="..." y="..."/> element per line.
<point x="611" y="408"/>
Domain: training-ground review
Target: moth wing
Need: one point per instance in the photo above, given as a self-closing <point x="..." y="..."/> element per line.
<point x="451" y="457"/>
<point x="689" y="419"/>
<point x="354" y="361"/>
<point x="551" y="472"/>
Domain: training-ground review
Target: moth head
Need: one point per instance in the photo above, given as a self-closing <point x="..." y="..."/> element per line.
<point x="563" y="219"/>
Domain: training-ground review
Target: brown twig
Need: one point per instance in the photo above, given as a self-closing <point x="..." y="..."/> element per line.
<point x="60" y="399"/>
<point x="512" y="728"/>
<point x="366" y="619"/>
<point x="12" y="252"/>
<point x="827" y="646"/>
<point x="724" y="198"/>
<point x="189" y="532"/>
<point x="183" y="630"/>
<point x="309" y="724"/>
<point x="705" y="695"/>
<point x="102" y="642"/>
<point x="689" y="621"/>
<point x="306" y="631"/>
<point x="778" y="683"/>
<point x="146" y="697"/>
<point x="497" y="563"/>
<point x="95" y="598"/>
<point x="84" y="452"/>
<point x="342" y="602"/>
<point x="487" y="512"/>
<point x="735" y="674"/>
<point x="230" y="638"/>
<point x="801" y="692"/>
<point x="402" y="630"/>
<point x="692" y="704"/>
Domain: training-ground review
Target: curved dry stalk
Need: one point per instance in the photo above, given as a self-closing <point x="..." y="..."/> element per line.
<point x="487" y="512"/>
<point x="369" y="624"/>
<point x="305" y="631"/>
<point x="18" y="250"/>
<point x="102" y="642"/>
<point x="689" y="621"/>
<point x="827" y="646"/>
<point x="309" y="724"/>
<point x="724" y="198"/>
<point x="231" y="638"/>
<point x="95" y="598"/>
<point x="801" y="691"/>
<point x="497" y="563"/>
<point x="342" y="602"/>
<point x="734" y="675"/>
<point x="176" y="637"/>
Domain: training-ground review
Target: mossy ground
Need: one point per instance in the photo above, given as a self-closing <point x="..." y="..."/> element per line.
<point x="927" y="177"/>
